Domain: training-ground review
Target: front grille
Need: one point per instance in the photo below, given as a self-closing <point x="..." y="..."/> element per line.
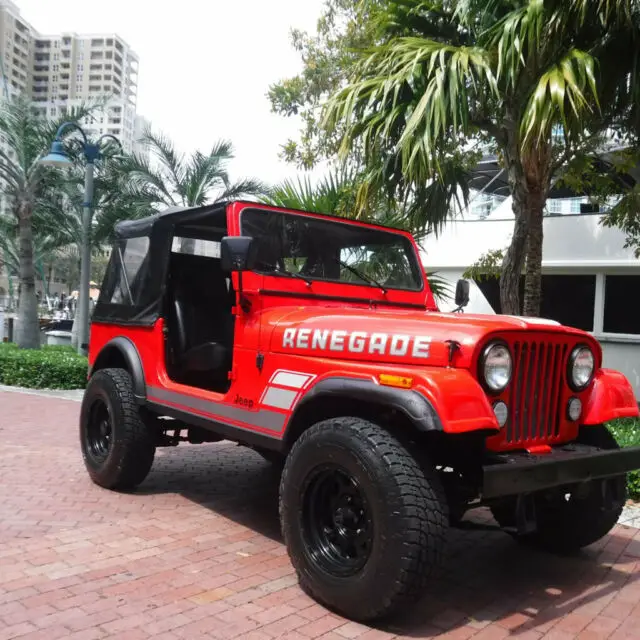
<point x="535" y="392"/>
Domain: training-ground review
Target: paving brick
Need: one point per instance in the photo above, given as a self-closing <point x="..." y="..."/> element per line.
<point x="196" y="553"/>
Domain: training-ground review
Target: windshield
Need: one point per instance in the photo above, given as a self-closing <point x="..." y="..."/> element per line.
<point x="321" y="249"/>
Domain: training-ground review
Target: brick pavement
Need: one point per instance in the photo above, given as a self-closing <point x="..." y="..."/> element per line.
<point x="196" y="553"/>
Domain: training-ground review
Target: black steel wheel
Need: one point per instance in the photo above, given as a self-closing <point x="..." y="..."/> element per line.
<point x="364" y="523"/>
<point x="117" y="446"/>
<point x="337" y="522"/>
<point x="99" y="431"/>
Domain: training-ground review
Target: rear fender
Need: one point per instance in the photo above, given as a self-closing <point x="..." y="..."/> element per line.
<point x="121" y="352"/>
<point x="611" y="397"/>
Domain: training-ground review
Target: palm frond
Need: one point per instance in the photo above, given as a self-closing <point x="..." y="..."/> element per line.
<point x="567" y="88"/>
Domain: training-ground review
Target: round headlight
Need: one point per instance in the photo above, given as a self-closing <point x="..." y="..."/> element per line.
<point x="581" y="366"/>
<point x="496" y="367"/>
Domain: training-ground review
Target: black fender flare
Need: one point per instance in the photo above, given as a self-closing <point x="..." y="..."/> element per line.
<point x="408" y="401"/>
<point x="129" y="352"/>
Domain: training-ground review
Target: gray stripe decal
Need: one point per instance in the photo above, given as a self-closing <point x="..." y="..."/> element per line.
<point x="262" y="418"/>
<point x="279" y="398"/>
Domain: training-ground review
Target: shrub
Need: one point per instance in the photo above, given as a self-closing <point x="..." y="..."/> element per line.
<point x="627" y="433"/>
<point x="52" y="367"/>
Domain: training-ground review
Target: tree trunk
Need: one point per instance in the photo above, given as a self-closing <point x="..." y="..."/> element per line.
<point x="533" y="275"/>
<point x="529" y="179"/>
<point x="513" y="261"/>
<point x="28" y="332"/>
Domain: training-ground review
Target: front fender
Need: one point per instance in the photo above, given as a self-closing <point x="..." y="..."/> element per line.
<point x="611" y="397"/>
<point x="460" y="401"/>
<point x="441" y="399"/>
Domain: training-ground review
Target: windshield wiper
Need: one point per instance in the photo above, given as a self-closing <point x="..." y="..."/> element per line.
<point x="293" y="274"/>
<point x="363" y="276"/>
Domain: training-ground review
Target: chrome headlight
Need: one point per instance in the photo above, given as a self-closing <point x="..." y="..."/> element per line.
<point x="581" y="366"/>
<point x="496" y="366"/>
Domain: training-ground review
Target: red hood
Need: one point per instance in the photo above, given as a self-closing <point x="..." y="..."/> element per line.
<point x="393" y="335"/>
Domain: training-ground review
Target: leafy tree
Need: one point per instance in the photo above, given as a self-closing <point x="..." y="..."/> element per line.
<point x="540" y="81"/>
<point x="26" y="185"/>
<point x="344" y="27"/>
<point x="170" y="179"/>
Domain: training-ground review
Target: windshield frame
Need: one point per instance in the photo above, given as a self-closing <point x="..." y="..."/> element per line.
<point x="415" y="264"/>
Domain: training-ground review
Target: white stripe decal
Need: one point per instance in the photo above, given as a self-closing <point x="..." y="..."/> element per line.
<point x="289" y="379"/>
<point x="279" y="398"/>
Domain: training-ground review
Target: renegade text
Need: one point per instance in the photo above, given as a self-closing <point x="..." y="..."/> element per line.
<point x="357" y="342"/>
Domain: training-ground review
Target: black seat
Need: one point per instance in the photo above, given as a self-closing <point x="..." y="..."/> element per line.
<point x="201" y="322"/>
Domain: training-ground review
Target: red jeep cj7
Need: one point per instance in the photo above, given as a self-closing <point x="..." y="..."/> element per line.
<point x="317" y="342"/>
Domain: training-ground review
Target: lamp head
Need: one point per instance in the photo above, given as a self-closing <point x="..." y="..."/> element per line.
<point x="57" y="156"/>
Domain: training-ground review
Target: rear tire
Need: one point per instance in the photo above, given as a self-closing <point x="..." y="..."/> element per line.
<point x="364" y="524"/>
<point x="117" y="446"/>
<point x="573" y="517"/>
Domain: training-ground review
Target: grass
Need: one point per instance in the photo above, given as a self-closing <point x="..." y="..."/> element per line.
<point x="627" y="433"/>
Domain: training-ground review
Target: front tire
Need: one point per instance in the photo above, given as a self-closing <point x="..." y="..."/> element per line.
<point x="363" y="523"/>
<point x="574" y="517"/>
<point x="117" y="446"/>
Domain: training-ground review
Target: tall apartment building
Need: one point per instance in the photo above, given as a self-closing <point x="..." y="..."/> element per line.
<point x="60" y="71"/>
<point x="69" y="69"/>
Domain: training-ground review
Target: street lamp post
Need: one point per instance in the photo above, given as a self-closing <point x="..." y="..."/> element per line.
<point x="57" y="157"/>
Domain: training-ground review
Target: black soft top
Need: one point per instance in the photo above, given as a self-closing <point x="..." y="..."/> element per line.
<point x="133" y="286"/>
<point x="163" y="221"/>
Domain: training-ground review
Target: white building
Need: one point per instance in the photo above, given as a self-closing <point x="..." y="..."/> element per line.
<point x="69" y="69"/>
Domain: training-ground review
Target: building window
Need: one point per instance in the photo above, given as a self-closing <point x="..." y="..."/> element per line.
<point x="554" y="205"/>
<point x="575" y="205"/>
<point x="619" y="291"/>
<point x="568" y="299"/>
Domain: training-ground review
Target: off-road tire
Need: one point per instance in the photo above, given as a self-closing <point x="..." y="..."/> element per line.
<point x="408" y="513"/>
<point x="132" y="446"/>
<point x="567" y="526"/>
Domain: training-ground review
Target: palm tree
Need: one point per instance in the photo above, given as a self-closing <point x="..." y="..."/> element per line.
<point x="26" y="184"/>
<point x="44" y="248"/>
<point x="336" y="194"/>
<point x="172" y="179"/>
<point x="509" y="74"/>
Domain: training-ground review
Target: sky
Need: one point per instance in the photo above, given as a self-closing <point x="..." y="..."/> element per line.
<point x="205" y="67"/>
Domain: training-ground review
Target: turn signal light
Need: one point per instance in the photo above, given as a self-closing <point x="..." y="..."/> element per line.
<point x="395" y="381"/>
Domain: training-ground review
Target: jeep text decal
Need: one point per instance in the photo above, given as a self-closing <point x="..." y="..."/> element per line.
<point x="357" y="342"/>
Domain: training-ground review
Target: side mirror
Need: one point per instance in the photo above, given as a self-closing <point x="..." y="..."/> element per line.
<point x="237" y="253"/>
<point x="462" y="294"/>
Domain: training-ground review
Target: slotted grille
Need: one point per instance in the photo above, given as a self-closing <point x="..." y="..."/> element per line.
<point x="535" y="392"/>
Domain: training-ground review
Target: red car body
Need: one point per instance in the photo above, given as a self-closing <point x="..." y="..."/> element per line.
<point x="398" y="339"/>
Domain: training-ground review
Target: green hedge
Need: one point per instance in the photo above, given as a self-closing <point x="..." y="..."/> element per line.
<point x="51" y="367"/>
<point x="627" y="433"/>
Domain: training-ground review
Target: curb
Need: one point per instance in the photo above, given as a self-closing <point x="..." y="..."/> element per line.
<point x="62" y="394"/>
